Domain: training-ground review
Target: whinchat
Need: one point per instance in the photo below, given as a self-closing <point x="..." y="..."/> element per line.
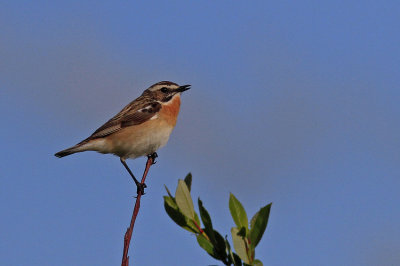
<point x="140" y="128"/>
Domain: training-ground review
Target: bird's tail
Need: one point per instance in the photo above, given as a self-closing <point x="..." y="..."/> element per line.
<point x="77" y="148"/>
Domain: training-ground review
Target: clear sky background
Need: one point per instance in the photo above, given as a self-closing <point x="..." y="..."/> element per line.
<point x="292" y="102"/>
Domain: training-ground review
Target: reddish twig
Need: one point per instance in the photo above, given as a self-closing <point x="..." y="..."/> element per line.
<point x="128" y="234"/>
<point x="198" y="227"/>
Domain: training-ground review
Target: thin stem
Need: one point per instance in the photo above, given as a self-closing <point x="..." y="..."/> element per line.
<point x="249" y="256"/>
<point x="128" y="234"/>
<point x="201" y="230"/>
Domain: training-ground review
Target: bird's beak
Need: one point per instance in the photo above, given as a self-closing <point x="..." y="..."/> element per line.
<point x="183" y="88"/>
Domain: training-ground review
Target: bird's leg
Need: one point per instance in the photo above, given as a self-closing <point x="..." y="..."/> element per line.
<point x="140" y="186"/>
<point x="153" y="157"/>
<point x="129" y="171"/>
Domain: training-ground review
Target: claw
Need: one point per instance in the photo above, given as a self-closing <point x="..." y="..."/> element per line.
<point x="140" y="188"/>
<point x="153" y="156"/>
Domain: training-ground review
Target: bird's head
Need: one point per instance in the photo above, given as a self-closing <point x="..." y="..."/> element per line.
<point x="164" y="91"/>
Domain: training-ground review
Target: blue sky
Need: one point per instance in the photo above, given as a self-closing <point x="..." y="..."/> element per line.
<point x="292" y="102"/>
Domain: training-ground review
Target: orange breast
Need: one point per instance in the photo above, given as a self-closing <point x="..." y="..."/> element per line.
<point x="170" y="111"/>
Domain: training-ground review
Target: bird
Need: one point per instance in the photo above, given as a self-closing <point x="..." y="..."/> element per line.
<point x="139" y="129"/>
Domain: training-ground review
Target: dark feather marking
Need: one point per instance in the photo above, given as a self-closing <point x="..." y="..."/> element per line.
<point x="167" y="99"/>
<point x="135" y="113"/>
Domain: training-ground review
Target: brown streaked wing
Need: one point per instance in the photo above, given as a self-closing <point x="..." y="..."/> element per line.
<point x="140" y="116"/>
<point x="131" y="115"/>
<point x="106" y="129"/>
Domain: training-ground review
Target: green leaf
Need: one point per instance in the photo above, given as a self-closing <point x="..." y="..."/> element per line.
<point x="172" y="210"/>
<point x="184" y="200"/>
<point x="215" y="238"/>
<point x="236" y="260"/>
<point x="253" y="219"/>
<point x="206" y="245"/>
<point x="196" y="219"/>
<point x="228" y="246"/>
<point x="220" y="245"/>
<point x="239" y="245"/>
<point x="193" y="226"/>
<point x="205" y="217"/>
<point x="258" y="225"/>
<point x="233" y="257"/>
<point x="188" y="181"/>
<point x="177" y="216"/>
<point x="238" y="213"/>
<point x="257" y="263"/>
<point x="229" y="251"/>
<point x="169" y="193"/>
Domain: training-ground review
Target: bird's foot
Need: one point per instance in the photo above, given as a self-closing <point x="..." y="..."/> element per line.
<point x="153" y="156"/>
<point x="140" y="188"/>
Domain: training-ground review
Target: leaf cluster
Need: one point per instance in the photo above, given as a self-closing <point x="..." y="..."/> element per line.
<point x="245" y="236"/>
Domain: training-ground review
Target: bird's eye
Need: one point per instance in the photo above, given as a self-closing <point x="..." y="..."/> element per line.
<point x="164" y="89"/>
